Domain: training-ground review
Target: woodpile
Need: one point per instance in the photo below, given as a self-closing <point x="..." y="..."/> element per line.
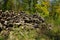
<point x="10" y="18"/>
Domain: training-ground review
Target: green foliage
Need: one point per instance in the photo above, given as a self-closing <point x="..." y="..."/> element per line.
<point x="43" y="10"/>
<point x="1" y="38"/>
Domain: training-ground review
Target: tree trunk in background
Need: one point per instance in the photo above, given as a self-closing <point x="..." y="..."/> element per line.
<point x="4" y="5"/>
<point x="32" y="4"/>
